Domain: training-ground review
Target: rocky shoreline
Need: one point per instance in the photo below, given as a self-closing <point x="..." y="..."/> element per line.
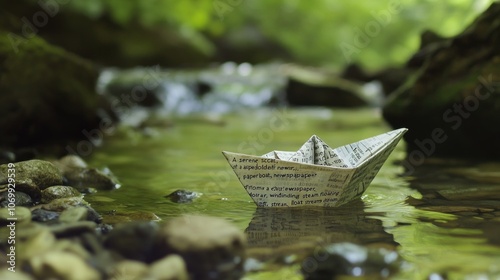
<point x="58" y="235"/>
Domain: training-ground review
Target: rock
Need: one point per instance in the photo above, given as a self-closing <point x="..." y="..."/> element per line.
<point x="93" y="215"/>
<point x="72" y="229"/>
<point x="171" y="267"/>
<point x="84" y="178"/>
<point x="68" y="162"/>
<point x="62" y="265"/>
<point x="315" y="87"/>
<point x="183" y="196"/>
<point x="348" y="259"/>
<point x="124" y="85"/>
<point x="22" y="214"/>
<point x="32" y="176"/>
<point x="80" y="213"/>
<point x="61" y="84"/>
<point x="41" y="215"/>
<point x="56" y="192"/>
<point x="103" y="229"/>
<point x="70" y="246"/>
<point x="21" y="199"/>
<point x="37" y="240"/>
<point x="128" y="269"/>
<point x="7" y="156"/>
<point x="212" y="247"/>
<point x="18" y="275"/>
<point x="74" y="214"/>
<point x="61" y="204"/>
<point x="133" y="241"/>
<point x="451" y="104"/>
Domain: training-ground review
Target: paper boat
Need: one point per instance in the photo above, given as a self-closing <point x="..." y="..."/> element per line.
<point x="315" y="175"/>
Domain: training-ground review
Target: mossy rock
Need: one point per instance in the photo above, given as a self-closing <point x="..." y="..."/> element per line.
<point x="451" y="105"/>
<point x="48" y="94"/>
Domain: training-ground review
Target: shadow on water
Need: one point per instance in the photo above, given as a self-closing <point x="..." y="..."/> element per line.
<point x="458" y="227"/>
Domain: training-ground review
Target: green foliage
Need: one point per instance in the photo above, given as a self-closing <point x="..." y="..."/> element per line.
<point x="321" y="32"/>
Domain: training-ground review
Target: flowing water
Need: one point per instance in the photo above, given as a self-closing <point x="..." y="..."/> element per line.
<point x="455" y="240"/>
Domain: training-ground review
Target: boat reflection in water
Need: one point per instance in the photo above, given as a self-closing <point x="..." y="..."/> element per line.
<point x="278" y="232"/>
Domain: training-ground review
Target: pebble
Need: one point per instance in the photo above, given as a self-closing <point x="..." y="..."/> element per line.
<point x="93" y="215"/>
<point x="18" y="275"/>
<point x="56" y="192"/>
<point x="171" y="267"/>
<point x="128" y="269"/>
<point x="212" y="247"/>
<point x="73" y="247"/>
<point x="182" y="196"/>
<point x="41" y="215"/>
<point x="68" y="162"/>
<point x="62" y="265"/>
<point x="72" y="229"/>
<point x="84" y="178"/>
<point x="7" y="156"/>
<point x="21" y="199"/>
<point x="32" y="176"/>
<point x="61" y="204"/>
<point x="22" y="214"/>
<point x="74" y="214"/>
<point x="133" y="241"/>
<point x="37" y="241"/>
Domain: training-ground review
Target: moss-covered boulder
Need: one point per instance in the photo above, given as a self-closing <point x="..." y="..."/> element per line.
<point x="47" y="94"/>
<point x="452" y="105"/>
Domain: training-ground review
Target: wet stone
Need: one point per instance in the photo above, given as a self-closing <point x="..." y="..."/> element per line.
<point x="85" y="178"/>
<point x="212" y="247"/>
<point x="93" y="215"/>
<point x="347" y="259"/>
<point x="22" y="214"/>
<point x="183" y="196"/>
<point x="133" y="240"/>
<point x="18" y="275"/>
<point x="62" y="265"/>
<point x="68" y="162"/>
<point x="62" y="204"/>
<point x="21" y="199"/>
<point x="41" y="215"/>
<point x="74" y="214"/>
<point x="128" y="269"/>
<point x="171" y="267"/>
<point x="103" y="229"/>
<point x="36" y="240"/>
<point x="56" y="192"/>
<point x="7" y="156"/>
<point x="72" y="229"/>
<point x="32" y="176"/>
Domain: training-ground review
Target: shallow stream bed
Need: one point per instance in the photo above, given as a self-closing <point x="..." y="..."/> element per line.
<point x="443" y="218"/>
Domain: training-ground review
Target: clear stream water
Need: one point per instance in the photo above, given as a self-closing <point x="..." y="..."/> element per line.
<point x="456" y="237"/>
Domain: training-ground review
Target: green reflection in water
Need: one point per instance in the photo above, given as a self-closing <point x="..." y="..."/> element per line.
<point x="188" y="156"/>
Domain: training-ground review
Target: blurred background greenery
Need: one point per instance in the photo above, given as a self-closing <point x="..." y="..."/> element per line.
<point x="315" y="33"/>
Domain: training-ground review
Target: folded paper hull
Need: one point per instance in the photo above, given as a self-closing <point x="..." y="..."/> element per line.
<point x="275" y="182"/>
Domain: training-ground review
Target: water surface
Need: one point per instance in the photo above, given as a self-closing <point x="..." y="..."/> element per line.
<point x="457" y="240"/>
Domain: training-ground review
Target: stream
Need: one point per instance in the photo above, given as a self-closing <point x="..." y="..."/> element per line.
<point x="442" y="218"/>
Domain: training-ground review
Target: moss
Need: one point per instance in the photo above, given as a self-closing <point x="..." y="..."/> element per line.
<point x="48" y="94"/>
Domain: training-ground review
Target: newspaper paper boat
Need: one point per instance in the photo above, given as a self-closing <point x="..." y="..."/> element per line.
<point x="315" y="175"/>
